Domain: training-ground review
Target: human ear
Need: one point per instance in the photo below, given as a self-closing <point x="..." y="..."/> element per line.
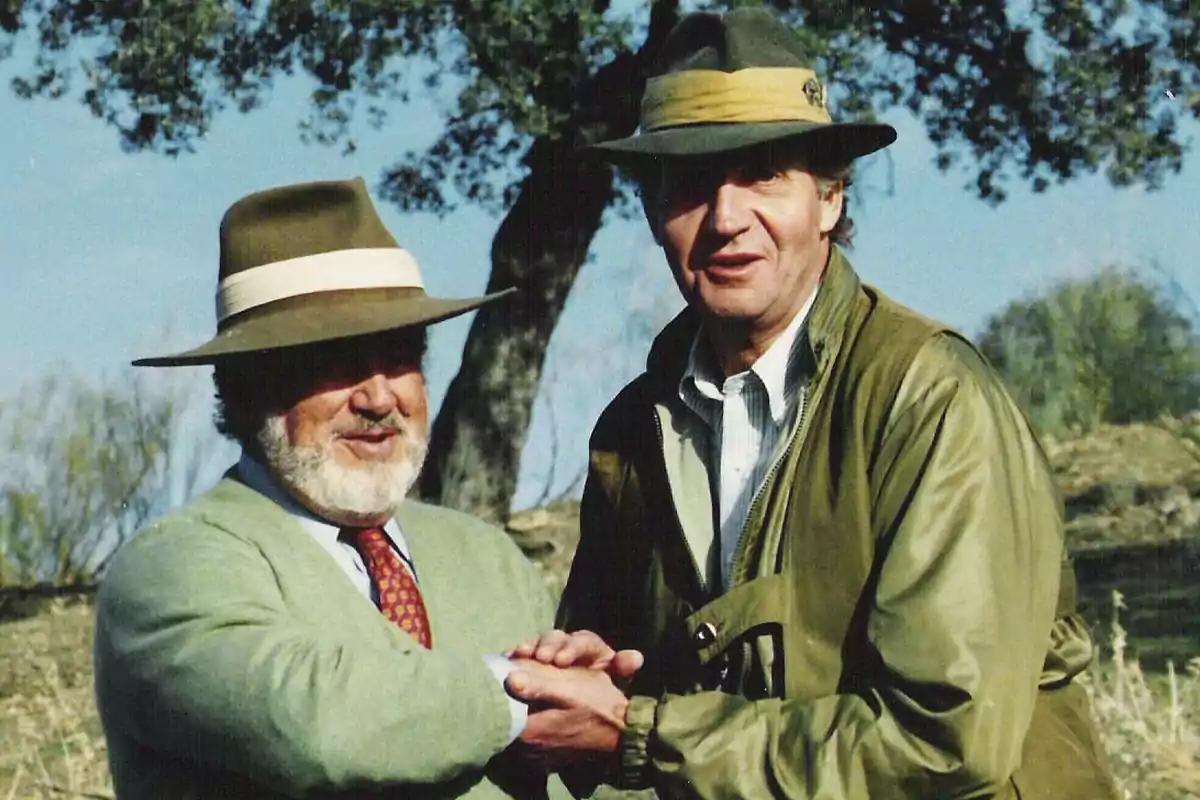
<point x="830" y="198"/>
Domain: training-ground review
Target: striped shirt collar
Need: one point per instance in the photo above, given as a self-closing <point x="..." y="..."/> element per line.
<point x="703" y="381"/>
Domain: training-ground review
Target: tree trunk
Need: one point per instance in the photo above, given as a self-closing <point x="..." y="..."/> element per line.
<point x="540" y="246"/>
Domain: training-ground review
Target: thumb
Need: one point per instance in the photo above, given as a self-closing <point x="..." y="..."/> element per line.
<point x="626" y="663"/>
<point x="518" y="684"/>
<point x="530" y="686"/>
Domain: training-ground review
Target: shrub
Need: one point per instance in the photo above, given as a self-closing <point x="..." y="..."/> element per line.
<point x="1113" y="347"/>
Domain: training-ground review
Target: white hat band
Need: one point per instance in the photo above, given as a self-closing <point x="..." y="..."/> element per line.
<point x="367" y="268"/>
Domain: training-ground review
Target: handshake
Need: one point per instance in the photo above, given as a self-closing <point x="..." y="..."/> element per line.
<point x="574" y="686"/>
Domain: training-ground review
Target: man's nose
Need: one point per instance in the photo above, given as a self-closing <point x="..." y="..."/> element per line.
<point x="728" y="214"/>
<point x="373" y="396"/>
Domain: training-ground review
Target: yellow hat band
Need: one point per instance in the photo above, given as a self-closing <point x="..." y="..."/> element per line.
<point x="757" y="94"/>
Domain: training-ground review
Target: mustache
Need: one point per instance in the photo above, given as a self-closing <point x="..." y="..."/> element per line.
<point x="393" y="423"/>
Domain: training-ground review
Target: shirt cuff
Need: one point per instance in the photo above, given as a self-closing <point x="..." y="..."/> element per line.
<point x="501" y="667"/>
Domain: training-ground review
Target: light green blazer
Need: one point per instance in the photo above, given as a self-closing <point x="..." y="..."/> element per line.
<point x="234" y="659"/>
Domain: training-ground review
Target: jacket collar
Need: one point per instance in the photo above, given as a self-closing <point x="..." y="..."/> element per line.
<point x="822" y="337"/>
<point x="835" y="299"/>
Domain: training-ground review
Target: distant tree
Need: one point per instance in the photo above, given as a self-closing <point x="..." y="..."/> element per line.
<point x="82" y="466"/>
<point x="1113" y="347"/>
<point x="1039" y="96"/>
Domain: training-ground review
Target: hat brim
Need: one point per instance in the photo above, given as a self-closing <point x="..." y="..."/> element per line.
<point x="328" y="316"/>
<point x="833" y="142"/>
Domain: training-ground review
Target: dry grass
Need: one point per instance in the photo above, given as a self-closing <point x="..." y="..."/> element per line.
<point x="1150" y="724"/>
<point x="51" y="746"/>
<point x="50" y="740"/>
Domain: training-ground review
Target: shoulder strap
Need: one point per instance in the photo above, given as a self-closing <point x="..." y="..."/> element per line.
<point x="876" y="362"/>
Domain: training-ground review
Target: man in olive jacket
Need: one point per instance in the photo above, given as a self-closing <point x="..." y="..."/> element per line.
<point x="819" y="515"/>
<point x="240" y="647"/>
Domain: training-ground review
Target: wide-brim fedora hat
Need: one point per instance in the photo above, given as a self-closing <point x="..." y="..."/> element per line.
<point x="309" y="263"/>
<point x="731" y="80"/>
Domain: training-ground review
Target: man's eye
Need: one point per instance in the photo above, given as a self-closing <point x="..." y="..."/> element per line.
<point x="759" y="172"/>
<point x="690" y="183"/>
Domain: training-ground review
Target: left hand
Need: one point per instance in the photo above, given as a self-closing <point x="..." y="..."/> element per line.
<point x="580" y="649"/>
<point x="575" y="714"/>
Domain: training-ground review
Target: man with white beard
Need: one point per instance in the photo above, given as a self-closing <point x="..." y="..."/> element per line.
<point x="240" y="646"/>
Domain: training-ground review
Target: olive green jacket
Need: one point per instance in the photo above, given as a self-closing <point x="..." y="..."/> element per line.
<point x="234" y="659"/>
<point x="894" y="626"/>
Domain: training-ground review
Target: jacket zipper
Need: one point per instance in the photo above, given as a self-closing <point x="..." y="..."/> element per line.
<point x="739" y="555"/>
<point x="662" y="447"/>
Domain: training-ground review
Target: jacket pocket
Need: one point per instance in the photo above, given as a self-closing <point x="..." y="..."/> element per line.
<point x="737" y="638"/>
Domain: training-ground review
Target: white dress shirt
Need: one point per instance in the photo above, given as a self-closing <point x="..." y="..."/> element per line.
<point x="326" y="534"/>
<point x="749" y="415"/>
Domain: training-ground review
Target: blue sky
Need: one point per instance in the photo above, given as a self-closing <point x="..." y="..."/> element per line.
<point x="107" y="256"/>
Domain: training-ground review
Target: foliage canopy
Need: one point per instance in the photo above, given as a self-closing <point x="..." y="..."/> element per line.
<point x="1113" y="347"/>
<point x="1043" y="90"/>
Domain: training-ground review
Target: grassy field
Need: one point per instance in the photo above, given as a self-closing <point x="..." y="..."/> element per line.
<point x="1149" y="720"/>
<point x="50" y="740"/>
<point x="1159" y="586"/>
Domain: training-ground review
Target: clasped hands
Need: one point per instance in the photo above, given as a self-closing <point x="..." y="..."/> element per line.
<point x="573" y="684"/>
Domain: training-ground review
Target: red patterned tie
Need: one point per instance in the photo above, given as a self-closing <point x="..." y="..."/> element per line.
<point x="399" y="598"/>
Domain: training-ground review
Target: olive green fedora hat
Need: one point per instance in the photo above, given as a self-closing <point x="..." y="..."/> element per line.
<point x="308" y="263"/>
<point x="725" y="81"/>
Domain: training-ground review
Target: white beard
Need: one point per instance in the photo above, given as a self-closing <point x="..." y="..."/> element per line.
<point x="348" y="496"/>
